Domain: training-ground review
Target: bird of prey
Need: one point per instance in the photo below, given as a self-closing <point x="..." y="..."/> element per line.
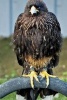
<point x="37" y="41"/>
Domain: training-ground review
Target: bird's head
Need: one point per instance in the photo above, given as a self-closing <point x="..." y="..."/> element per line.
<point x="35" y="7"/>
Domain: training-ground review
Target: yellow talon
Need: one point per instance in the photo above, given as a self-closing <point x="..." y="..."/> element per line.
<point x="32" y="75"/>
<point x="44" y="74"/>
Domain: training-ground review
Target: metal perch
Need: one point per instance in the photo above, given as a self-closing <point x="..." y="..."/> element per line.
<point x="22" y="83"/>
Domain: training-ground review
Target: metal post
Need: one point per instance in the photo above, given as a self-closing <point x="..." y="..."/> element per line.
<point x="55" y="6"/>
<point x="10" y="16"/>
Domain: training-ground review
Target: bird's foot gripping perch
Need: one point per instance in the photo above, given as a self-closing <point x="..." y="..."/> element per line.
<point x="44" y="74"/>
<point x="32" y="75"/>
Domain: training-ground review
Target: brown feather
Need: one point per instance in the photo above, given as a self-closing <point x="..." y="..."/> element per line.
<point x="38" y="63"/>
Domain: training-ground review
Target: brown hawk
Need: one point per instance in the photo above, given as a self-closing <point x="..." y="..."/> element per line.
<point x="37" y="41"/>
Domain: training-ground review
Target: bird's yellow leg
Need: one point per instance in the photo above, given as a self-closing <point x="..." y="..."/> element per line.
<point x="44" y="74"/>
<point x="32" y="75"/>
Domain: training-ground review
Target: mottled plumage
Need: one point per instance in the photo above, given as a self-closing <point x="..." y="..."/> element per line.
<point x="37" y="38"/>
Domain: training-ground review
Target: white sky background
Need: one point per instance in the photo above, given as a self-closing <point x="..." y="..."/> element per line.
<point x="18" y="7"/>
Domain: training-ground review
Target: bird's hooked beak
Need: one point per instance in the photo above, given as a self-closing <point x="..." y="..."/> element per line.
<point x="33" y="10"/>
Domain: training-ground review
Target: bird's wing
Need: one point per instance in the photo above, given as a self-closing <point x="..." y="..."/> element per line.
<point x="55" y="37"/>
<point x="18" y="40"/>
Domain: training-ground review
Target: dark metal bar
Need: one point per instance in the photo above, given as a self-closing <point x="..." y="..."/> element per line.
<point x="55" y="7"/>
<point x="10" y="16"/>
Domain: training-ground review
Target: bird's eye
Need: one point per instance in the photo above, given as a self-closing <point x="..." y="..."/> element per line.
<point x="39" y="7"/>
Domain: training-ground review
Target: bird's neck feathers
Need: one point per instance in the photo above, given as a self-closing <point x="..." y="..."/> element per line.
<point x="29" y="22"/>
